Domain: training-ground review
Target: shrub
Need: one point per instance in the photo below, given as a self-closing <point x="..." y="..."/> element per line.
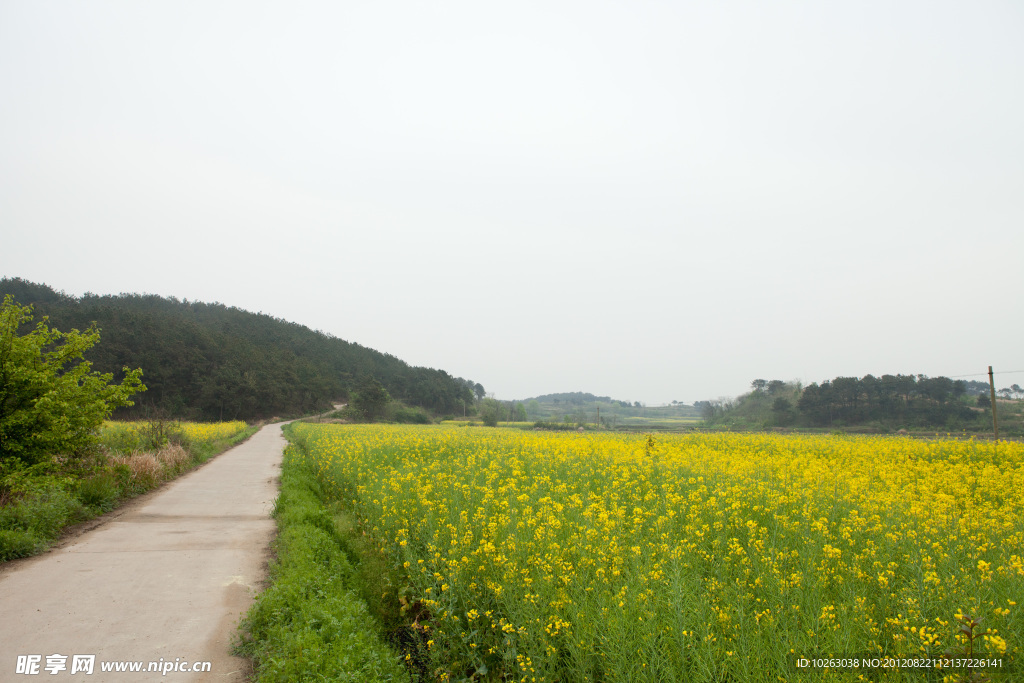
<point x="157" y="434"/>
<point x="42" y="514"/>
<point x="15" y="544"/>
<point x="405" y="415"/>
<point x="99" y="492"/>
<point x="53" y="401"/>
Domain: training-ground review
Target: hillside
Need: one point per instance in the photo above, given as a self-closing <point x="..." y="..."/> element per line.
<point x="214" y="362"/>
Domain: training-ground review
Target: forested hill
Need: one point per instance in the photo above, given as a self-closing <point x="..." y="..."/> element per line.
<point x="211" y="361"/>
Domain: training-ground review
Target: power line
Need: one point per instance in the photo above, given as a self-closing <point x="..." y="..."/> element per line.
<point x="985" y="374"/>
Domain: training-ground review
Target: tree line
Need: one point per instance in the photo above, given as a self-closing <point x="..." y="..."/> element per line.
<point x="207" y="361"/>
<point x="889" y="401"/>
<point x="907" y="399"/>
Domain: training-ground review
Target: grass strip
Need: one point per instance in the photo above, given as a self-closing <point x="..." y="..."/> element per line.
<point x="311" y="623"/>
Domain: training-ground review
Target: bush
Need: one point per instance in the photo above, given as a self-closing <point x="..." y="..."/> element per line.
<point x="39" y="516"/>
<point x="53" y="402"/>
<point x="15" y="544"/>
<point x="99" y="492"/>
<point x="157" y="434"/>
<point x="405" y="415"/>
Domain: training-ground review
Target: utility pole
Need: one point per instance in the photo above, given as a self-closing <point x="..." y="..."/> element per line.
<point x="992" y="388"/>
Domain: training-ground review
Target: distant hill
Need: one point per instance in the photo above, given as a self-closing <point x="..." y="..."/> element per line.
<point x="213" y="362"/>
<point x="576" y="398"/>
<point x="584" y="408"/>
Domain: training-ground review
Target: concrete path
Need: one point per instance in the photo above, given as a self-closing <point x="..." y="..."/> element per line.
<point x="167" y="579"/>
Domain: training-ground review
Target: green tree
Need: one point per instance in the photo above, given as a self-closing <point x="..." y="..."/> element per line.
<point x="370" y="399"/>
<point x="782" y="411"/>
<point x="491" y="411"/>
<point x="51" y="402"/>
<point x="533" y="408"/>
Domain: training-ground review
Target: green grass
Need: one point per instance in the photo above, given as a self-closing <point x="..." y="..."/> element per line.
<point x="312" y="623"/>
<point x="30" y="525"/>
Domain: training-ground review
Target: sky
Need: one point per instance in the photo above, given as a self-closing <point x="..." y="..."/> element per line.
<point x="647" y="200"/>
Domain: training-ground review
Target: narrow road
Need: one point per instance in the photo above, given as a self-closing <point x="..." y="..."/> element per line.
<point x="168" y="579"/>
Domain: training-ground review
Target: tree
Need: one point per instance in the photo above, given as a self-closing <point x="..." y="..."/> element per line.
<point x="815" y="403"/>
<point x="782" y="411"/>
<point x="491" y="411"/>
<point x="370" y="399"/>
<point x="708" y="409"/>
<point x="51" y="402"/>
<point x="533" y="408"/>
<point x="759" y="385"/>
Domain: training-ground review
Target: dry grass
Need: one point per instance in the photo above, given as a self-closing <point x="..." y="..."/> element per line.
<point x="174" y="458"/>
<point x="147" y="469"/>
<point x="144" y="469"/>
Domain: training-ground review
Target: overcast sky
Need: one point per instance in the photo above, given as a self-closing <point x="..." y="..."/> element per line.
<point x="654" y="201"/>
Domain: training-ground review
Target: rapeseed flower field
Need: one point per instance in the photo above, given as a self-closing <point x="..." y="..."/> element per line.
<point x="703" y="557"/>
<point x="196" y="432"/>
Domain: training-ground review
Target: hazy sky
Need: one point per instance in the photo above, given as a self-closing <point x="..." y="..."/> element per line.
<point x="648" y="200"/>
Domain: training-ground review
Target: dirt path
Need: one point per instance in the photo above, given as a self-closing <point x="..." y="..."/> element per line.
<point x="167" y="579"/>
